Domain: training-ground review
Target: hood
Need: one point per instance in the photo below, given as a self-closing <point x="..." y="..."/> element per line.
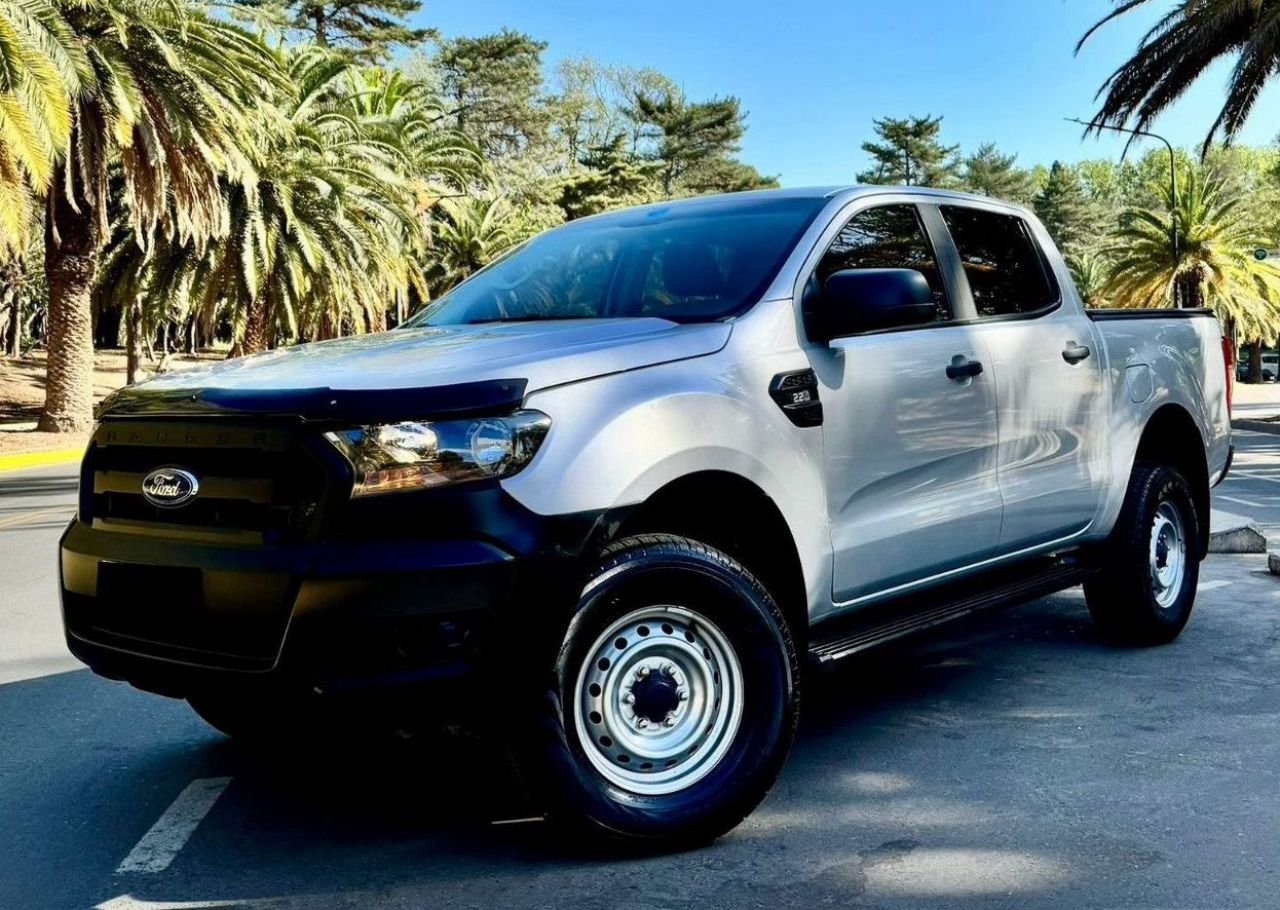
<point x="523" y="355"/>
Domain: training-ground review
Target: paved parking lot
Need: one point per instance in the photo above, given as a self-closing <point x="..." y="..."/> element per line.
<point x="1253" y="486"/>
<point x="1017" y="762"/>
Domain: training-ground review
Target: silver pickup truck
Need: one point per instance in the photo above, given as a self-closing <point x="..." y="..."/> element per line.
<point x="603" y="499"/>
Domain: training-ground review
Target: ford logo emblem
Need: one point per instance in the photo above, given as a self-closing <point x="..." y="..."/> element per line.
<point x="168" y="488"/>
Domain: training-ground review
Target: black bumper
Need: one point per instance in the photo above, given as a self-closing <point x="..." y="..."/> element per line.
<point x="176" y="616"/>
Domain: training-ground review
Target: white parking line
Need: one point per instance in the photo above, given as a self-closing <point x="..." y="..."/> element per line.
<point x="1214" y="585"/>
<point x="1243" y="502"/>
<point x="129" y="902"/>
<point x="1252" y="476"/>
<point x="174" y="828"/>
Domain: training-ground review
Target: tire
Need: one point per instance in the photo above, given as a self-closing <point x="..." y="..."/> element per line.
<point x="1147" y="587"/>
<point x="672" y="702"/>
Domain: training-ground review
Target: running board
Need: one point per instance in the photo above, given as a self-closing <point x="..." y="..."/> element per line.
<point x="874" y="626"/>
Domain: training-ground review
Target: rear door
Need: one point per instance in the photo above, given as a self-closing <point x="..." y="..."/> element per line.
<point x="1049" y="384"/>
<point x="910" y="453"/>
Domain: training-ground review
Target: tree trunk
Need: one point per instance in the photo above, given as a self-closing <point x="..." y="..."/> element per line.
<point x="257" y="328"/>
<point x="14" y="341"/>
<point x="133" y="340"/>
<point x="1188" y="290"/>
<point x="1255" y="362"/>
<point x="70" y="266"/>
<point x="321" y="25"/>
<point x="327" y="328"/>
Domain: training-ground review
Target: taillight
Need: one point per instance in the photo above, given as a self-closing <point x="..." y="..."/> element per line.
<point x="1229" y="364"/>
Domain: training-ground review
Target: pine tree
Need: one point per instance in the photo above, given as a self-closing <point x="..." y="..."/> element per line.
<point x="689" y="134"/>
<point x="909" y="153"/>
<point x="368" y="29"/>
<point x="609" y="178"/>
<point x="1068" y="214"/>
<point x="493" y="84"/>
<point x="696" y="143"/>
<point x="989" y="173"/>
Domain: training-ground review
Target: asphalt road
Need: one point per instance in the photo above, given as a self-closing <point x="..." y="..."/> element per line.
<point x="1252" y="488"/>
<point x="1016" y="762"/>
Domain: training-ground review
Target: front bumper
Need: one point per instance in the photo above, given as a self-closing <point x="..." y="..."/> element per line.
<point x="177" y="616"/>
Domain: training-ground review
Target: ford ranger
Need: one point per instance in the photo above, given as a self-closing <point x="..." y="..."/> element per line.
<point x="609" y="496"/>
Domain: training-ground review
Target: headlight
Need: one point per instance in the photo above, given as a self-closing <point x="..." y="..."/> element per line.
<point x="418" y="454"/>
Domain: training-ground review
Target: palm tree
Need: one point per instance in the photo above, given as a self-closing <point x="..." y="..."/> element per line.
<point x="400" y="113"/>
<point x="21" y="286"/>
<point x="469" y="234"/>
<point x="328" y="233"/>
<point x="1178" y="49"/>
<point x="409" y="114"/>
<point x="1090" y="272"/>
<point x="42" y="67"/>
<point x="1214" y="265"/>
<point x="164" y="102"/>
<point x="320" y="239"/>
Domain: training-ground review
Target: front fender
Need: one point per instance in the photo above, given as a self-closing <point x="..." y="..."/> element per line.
<point x="616" y="440"/>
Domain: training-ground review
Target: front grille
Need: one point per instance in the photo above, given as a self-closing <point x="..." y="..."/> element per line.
<point x="258" y="484"/>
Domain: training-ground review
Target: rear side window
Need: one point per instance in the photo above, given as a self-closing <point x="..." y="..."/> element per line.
<point x="888" y="237"/>
<point x="1006" y="272"/>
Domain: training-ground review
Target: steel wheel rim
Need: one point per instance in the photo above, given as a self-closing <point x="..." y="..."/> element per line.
<point x="1167" y="554"/>
<point x="651" y="659"/>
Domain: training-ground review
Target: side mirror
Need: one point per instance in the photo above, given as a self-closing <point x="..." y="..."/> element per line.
<point x="868" y="300"/>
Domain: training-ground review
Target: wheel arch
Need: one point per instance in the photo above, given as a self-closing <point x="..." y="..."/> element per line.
<point x="732" y="514"/>
<point x="1171" y="437"/>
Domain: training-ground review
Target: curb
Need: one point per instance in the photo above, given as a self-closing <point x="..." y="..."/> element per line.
<point x="1238" y="540"/>
<point x="1230" y="533"/>
<point x="1257" y="426"/>
<point x="20" y="460"/>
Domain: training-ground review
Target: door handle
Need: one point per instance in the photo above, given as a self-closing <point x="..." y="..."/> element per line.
<point x="1074" y="353"/>
<point x="963" y="368"/>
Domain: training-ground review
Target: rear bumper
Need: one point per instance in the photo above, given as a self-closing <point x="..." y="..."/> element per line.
<point x="174" y="616"/>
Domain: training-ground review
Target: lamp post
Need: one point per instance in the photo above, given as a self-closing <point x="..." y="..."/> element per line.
<point x="1173" y="181"/>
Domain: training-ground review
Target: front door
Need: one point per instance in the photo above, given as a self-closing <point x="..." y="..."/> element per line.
<point x="910" y="447"/>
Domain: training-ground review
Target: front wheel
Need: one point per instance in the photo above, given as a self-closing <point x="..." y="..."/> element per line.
<point x="673" y="699"/>
<point x="1147" y="587"/>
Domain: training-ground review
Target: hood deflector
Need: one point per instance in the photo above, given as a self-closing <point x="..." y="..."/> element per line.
<point x="466" y="399"/>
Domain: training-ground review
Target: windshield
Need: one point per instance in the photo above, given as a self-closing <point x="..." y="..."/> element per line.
<point x="686" y="262"/>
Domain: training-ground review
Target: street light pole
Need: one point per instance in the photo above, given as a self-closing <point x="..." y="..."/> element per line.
<point x="1173" y="180"/>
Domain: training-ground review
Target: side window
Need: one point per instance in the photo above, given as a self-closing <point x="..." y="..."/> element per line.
<point x="888" y="237"/>
<point x="1006" y="271"/>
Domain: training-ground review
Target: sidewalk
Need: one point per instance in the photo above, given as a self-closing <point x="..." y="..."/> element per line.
<point x="1256" y="402"/>
<point x="22" y="396"/>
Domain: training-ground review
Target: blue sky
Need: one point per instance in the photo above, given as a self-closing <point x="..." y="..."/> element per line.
<point x="812" y="74"/>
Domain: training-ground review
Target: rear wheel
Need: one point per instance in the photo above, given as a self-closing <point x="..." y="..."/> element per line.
<point x="1147" y="587"/>
<point x="673" y="699"/>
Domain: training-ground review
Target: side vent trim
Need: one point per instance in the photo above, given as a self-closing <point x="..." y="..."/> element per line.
<point x="797" y="394"/>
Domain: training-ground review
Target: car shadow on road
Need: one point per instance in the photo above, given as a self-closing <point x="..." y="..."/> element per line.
<point x="447" y="810"/>
<point x="18" y="486"/>
<point x="873" y="778"/>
